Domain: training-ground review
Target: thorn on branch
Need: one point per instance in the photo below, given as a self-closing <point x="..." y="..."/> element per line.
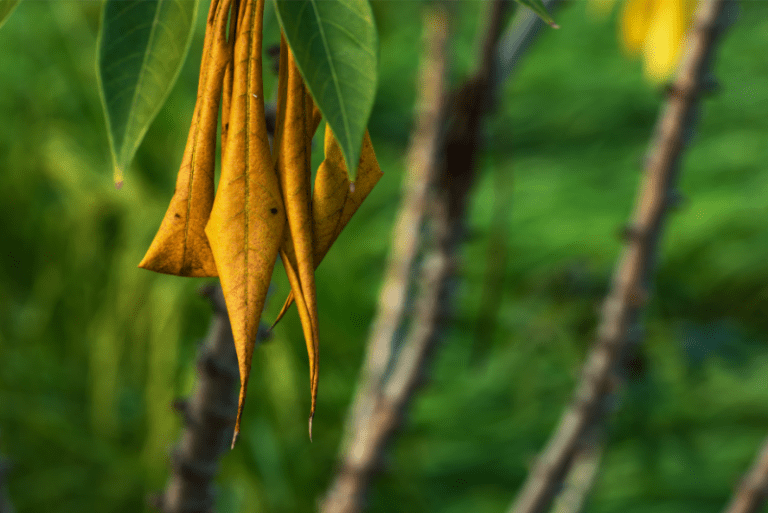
<point x="637" y="297"/>
<point x="211" y="292"/>
<point x="631" y="233"/>
<point x="181" y="406"/>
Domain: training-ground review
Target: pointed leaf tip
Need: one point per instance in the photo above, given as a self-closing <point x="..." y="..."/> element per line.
<point x="310" y="426"/>
<point x="136" y="74"/>
<point x="234" y="438"/>
<point x="541" y="11"/>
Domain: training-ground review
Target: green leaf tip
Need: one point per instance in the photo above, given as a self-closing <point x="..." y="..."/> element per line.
<point x="541" y="11"/>
<point x="141" y="48"/>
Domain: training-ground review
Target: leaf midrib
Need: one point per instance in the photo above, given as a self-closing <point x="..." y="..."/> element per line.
<point x="334" y="77"/>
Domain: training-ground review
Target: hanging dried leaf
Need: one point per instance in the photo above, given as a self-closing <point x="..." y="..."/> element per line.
<point x="293" y="168"/>
<point x="226" y="93"/>
<point x="333" y="202"/>
<point x="180" y="246"/>
<point x="247" y="220"/>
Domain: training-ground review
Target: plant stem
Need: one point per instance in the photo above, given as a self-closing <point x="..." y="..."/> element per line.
<point x="620" y="331"/>
<point x="209" y="417"/>
<point x="374" y="411"/>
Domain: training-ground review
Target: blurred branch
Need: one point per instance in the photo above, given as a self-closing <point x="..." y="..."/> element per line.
<point x="376" y="410"/>
<point x="444" y="164"/>
<point x="620" y="331"/>
<point x="209" y="417"/>
<point x="508" y="51"/>
<point x="753" y="489"/>
<point x="578" y="483"/>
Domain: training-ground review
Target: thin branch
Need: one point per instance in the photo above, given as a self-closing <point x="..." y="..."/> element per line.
<point x="751" y="493"/>
<point x="209" y="417"/>
<point x="578" y="483"/>
<point x="373" y="415"/>
<point x="620" y="331"/>
<point x="448" y="168"/>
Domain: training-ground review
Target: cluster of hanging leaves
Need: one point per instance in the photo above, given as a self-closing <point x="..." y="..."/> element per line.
<point x="654" y="29"/>
<point x="265" y="203"/>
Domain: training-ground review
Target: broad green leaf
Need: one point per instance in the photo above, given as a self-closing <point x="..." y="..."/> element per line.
<point x="538" y="7"/>
<point x="6" y="8"/>
<point x="335" y="45"/>
<point x="141" y="49"/>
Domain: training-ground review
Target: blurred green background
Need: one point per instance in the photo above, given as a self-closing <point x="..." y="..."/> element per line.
<point x="93" y="350"/>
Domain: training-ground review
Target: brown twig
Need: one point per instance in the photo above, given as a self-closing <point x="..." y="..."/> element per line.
<point x="753" y="489"/>
<point x="509" y="49"/>
<point x="209" y="418"/>
<point x="373" y="414"/>
<point x="620" y="330"/>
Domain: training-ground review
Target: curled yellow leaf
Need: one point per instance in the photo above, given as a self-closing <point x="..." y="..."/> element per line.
<point x="180" y="246"/>
<point x="333" y="201"/>
<point x="293" y="168"/>
<point x="245" y="228"/>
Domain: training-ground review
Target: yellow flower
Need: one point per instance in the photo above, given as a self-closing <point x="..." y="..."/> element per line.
<point x="654" y="29"/>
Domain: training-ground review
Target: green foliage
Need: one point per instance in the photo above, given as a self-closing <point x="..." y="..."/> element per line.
<point x="141" y="49"/>
<point x="6" y="8"/>
<point x="336" y="49"/>
<point x="92" y="349"/>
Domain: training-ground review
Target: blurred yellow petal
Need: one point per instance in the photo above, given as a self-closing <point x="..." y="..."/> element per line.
<point x="600" y="9"/>
<point x="663" y="42"/>
<point x="635" y="20"/>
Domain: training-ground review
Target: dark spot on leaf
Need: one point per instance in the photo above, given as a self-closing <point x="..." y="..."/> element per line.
<point x="177" y="216"/>
<point x="273" y="210"/>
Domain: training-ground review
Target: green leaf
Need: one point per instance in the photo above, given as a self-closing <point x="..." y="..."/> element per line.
<point x="335" y="45"/>
<point x="6" y="8"/>
<point x="141" y="49"/>
<point x="538" y="7"/>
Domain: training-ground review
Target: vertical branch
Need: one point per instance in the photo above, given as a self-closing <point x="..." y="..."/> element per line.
<point x="445" y="166"/>
<point x="751" y="493"/>
<point x="509" y="49"/>
<point x="209" y="418"/>
<point x="372" y="416"/>
<point x="620" y="330"/>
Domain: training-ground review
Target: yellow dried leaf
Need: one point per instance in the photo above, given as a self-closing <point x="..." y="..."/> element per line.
<point x="245" y="228"/>
<point x="226" y="93"/>
<point x="333" y="203"/>
<point x="293" y="168"/>
<point x="180" y="246"/>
